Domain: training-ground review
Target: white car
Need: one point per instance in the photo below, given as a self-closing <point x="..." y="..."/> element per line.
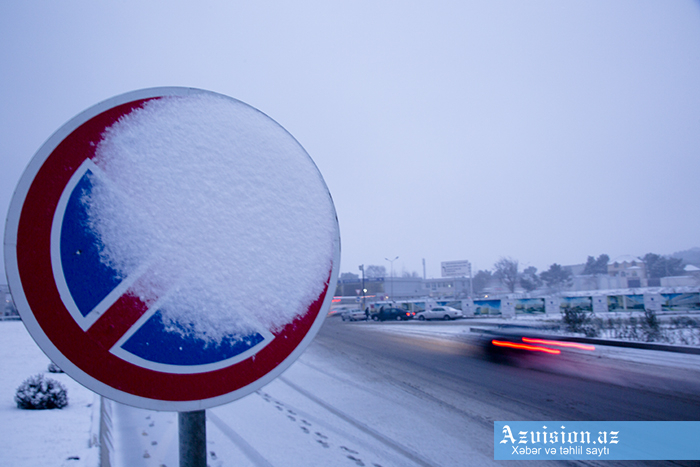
<point x="439" y="312"/>
<point x="354" y="315"/>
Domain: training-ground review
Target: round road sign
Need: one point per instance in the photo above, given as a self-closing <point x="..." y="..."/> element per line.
<point x="110" y="325"/>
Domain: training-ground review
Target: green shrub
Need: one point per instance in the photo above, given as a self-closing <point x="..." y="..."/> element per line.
<point x="652" y="328"/>
<point x="38" y="392"/>
<point x="579" y="320"/>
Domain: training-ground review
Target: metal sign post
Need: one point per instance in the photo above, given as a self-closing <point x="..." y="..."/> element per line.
<point x="192" y="431"/>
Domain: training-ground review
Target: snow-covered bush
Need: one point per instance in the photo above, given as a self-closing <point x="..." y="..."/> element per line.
<point x="579" y="320"/>
<point x="646" y="327"/>
<point x="38" y="392"/>
<point x="53" y="368"/>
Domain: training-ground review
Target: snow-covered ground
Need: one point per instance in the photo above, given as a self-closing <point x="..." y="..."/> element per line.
<point x="282" y="424"/>
<point x="42" y="437"/>
<point x="324" y="410"/>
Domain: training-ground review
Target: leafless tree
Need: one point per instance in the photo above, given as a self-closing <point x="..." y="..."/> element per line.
<point x="507" y="272"/>
<point x="374" y="271"/>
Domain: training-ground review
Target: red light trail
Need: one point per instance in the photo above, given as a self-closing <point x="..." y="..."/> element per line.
<point x="572" y="345"/>
<point x="534" y="348"/>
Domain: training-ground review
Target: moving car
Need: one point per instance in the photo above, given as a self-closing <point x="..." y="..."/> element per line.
<point x="396" y="314"/>
<point x="510" y="346"/>
<point x="439" y="312"/>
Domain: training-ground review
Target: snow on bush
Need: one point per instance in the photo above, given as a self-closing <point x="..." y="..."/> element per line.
<point x="53" y="368"/>
<point x="641" y="327"/>
<point x="38" y="392"/>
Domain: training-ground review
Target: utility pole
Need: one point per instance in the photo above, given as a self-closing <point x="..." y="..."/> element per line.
<point x="391" y="261"/>
<point x="362" y="268"/>
<point x="471" y="284"/>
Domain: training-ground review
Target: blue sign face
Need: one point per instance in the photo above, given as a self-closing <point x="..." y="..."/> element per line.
<point x="89" y="281"/>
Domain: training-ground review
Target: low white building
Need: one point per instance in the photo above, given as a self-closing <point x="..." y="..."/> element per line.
<point x="630" y="269"/>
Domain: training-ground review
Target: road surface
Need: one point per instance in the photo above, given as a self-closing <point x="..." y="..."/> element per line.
<point x="395" y="394"/>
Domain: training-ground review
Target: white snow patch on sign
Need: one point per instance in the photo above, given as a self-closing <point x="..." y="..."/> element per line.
<point x="224" y="206"/>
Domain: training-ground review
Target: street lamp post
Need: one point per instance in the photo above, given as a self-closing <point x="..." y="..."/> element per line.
<point x="362" y="268"/>
<point x="471" y="282"/>
<point x="391" y="261"/>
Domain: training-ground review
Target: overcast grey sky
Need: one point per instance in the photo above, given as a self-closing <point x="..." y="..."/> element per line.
<point x="546" y="131"/>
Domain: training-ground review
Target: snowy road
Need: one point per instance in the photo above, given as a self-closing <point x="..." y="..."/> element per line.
<point x="411" y="394"/>
<point x="363" y="394"/>
<point x="607" y="384"/>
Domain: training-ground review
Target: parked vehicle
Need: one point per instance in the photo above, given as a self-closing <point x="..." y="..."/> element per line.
<point x="354" y="315"/>
<point x="395" y="314"/>
<point x="439" y="312"/>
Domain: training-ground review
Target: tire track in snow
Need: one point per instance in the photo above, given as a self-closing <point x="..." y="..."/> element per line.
<point x="386" y="441"/>
<point x="254" y="456"/>
<point x="302" y="418"/>
<point x="413" y="390"/>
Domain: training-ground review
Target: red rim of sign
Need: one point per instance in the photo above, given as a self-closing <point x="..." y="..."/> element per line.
<point x="33" y="286"/>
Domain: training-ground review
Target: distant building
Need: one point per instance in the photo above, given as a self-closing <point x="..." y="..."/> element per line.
<point x="446" y="287"/>
<point x="403" y="288"/>
<point x="575" y="269"/>
<point x="630" y="269"/>
<point x="396" y="288"/>
<point x="623" y="272"/>
<point x="597" y="282"/>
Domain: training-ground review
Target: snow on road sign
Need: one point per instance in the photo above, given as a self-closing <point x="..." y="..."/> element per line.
<point x="111" y="328"/>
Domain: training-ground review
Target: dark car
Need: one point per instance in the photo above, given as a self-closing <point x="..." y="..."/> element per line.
<point x="506" y="346"/>
<point x="394" y="314"/>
